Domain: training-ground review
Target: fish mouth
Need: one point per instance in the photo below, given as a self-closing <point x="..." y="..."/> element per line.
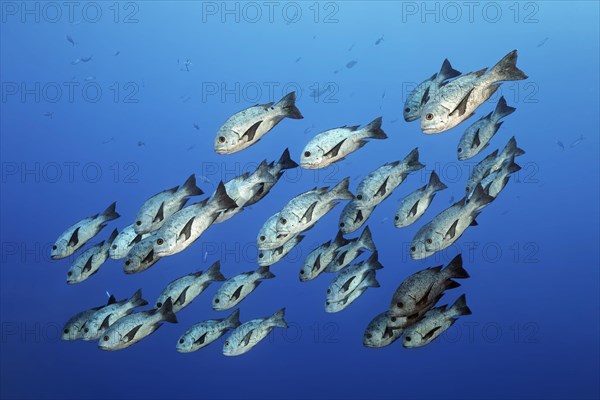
<point x="221" y="151"/>
<point x="411" y="118"/>
<point x="429" y="131"/>
<point x="307" y="165"/>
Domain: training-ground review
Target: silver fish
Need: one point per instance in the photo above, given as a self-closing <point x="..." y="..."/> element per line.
<point x="250" y="333"/>
<point x="72" y="329"/>
<point x="318" y="259"/>
<point x="141" y="256"/>
<point x="276" y="170"/>
<point x="449" y="225"/>
<point x="335" y="144"/>
<point x="427" y="90"/>
<point x="367" y="282"/>
<point x="88" y="262"/>
<point x="458" y="99"/>
<point x="268" y="238"/>
<point x="70" y="40"/>
<point x="413" y="206"/>
<point x="576" y="142"/>
<point x="347" y="253"/>
<point x="270" y="257"/>
<point x="237" y="288"/>
<point x="379" y="184"/>
<point x="77" y="235"/>
<point x="436" y="322"/>
<point x="425" y="288"/>
<point x="184" y="290"/>
<point x="349" y="279"/>
<point x="497" y="180"/>
<point x="379" y="333"/>
<point x="248" y="126"/>
<point x="204" y="333"/>
<point x="124" y="242"/>
<point x="134" y="327"/>
<point x="304" y="210"/>
<point x="477" y="136"/>
<point x="102" y="319"/>
<point x="158" y="208"/>
<point x="352" y="217"/>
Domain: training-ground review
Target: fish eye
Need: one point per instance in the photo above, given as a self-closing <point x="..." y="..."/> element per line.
<point x="327" y="303"/>
<point x="283" y="221"/>
<point x="342" y="224"/>
<point x="396" y="218"/>
<point x="407" y="338"/>
<point x="369" y="336"/>
<point x="460" y="149"/>
<point x="261" y="255"/>
<point x="393" y="319"/>
<point x="54" y="247"/>
<point x="159" y="304"/>
<point x="429" y="117"/>
<point x="429" y="241"/>
<point x="307" y="154"/>
<point x="216" y="301"/>
<point x="127" y="262"/>
<point x="181" y="341"/>
<point x="138" y="223"/>
<point x="359" y="196"/>
<point x="69" y="273"/>
<point x="66" y="330"/>
<point x="222" y="139"/>
<point x="301" y="272"/>
<point x="407" y="110"/>
<point x="86" y="330"/>
<point x="399" y="304"/>
<point x="262" y="238"/>
<point x="114" y="246"/>
<point x="413" y="249"/>
<point x="159" y="242"/>
<point x="328" y="291"/>
<point x="106" y="338"/>
<point x="227" y="343"/>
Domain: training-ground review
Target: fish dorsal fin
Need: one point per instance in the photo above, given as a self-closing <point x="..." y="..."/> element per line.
<point x="201" y="339"/>
<point x="88" y="264"/>
<point x="461" y="107"/>
<point x="149" y="257"/>
<point x="317" y="264"/>
<point x="105" y="324"/>
<point x="136" y="239"/>
<point x="187" y="230"/>
<point x="425" y="97"/>
<point x="309" y="212"/>
<point x="430" y="334"/>
<point x="382" y="189"/>
<point x="74" y="239"/>
<point x="335" y="150"/>
<point x="423" y="300"/>
<point x="347" y="284"/>
<point x="246" y="338"/>
<point x="159" y="214"/>
<point x="131" y="334"/>
<point x="111" y="300"/>
<point x="452" y="231"/>
<point x="251" y="132"/>
<point x="359" y="216"/>
<point x="236" y="295"/>
<point x="181" y="299"/>
<point x="413" y="210"/>
<point x="476" y="140"/>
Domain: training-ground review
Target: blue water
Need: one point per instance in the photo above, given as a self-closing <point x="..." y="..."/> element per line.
<point x="128" y="132"/>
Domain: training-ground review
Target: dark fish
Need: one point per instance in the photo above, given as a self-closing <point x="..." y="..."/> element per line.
<point x="576" y="141"/>
<point x="378" y="41"/>
<point x="351" y="64"/>
<point x="196" y="127"/>
<point x="70" y="40"/>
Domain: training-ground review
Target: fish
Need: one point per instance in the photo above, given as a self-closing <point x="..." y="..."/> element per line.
<point x="576" y="142"/>
<point x="88" y="262"/>
<point x="426" y="287"/>
<point x="80" y="233"/>
<point x="110" y="139"/>
<point x="250" y="333"/>
<point x="540" y="44"/>
<point x="347" y="253"/>
<point x="140" y="143"/>
<point x="559" y="144"/>
<point x="243" y="188"/>
<point x="86" y="59"/>
<point x="270" y="257"/>
<point x="276" y="170"/>
<point x="248" y="126"/>
<point x="268" y="238"/>
<point x="134" y="327"/>
<point x="70" y="40"/>
<point x="379" y="333"/>
<point x="117" y="53"/>
<point x="72" y="329"/>
<point x="335" y="144"/>
<point x="379" y="40"/>
<point x="496" y="181"/>
<point x="185" y="226"/>
<point x="182" y="291"/>
<point x="379" y="184"/>
<point x="141" y="256"/>
<point x="449" y="225"/>
<point x="367" y="282"/>
<point x="196" y="127"/>
<point x="103" y="318"/>
<point x="298" y="59"/>
<point x="458" y="99"/>
<point x="348" y="279"/>
<point x="76" y="61"/>
<point x="351" y="64"/>
<point x="304" y="210"/>
<point x="418" y="98"/>
<point x="204" y="333"/>
<point x="436" y="322"/>
<point x="352" y="217"/>
<point x="158" y="208"/>
<point x="413" y="206"/>
<point x="90" y="78"/>
<point x="237" y="288"/>
<point x="49" y="114"/>
<point x="318" y="259"/>
<point x="477" y="136"/>
<point x="124" y="242"/>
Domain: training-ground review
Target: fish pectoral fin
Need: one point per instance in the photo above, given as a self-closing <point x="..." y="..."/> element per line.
<point x="430" y="334"/>
<point x="359" y="216"/>
<point x="340" y="259"/>
<point x="186" y="232"/>
<point x="476" y="140"/>
<point x="159" y="214"/>
<point x="149" y="257"/>
<point x="237" y="293"/>
<point x="335" y="150"/>
<point x="413" y="210"/>
<point x="105" y="324"/>
<point x="136" y="239"/>
<point x="88" y="264"/>
<point x="251" y="132"/>
<point x="461" y="107"/>
<point x="423" y="300"/>
<point x="181" y="299"/>
<point x="383" y="188"/>
<point x="201" y="339"/>
<point x="317" y="264"/>
<point x="347" y="284"/>
<point x="131" y="334"/>
<point x="74" y="239"/>
<point x="246" y="338"/>
<point x="425" y="97"/>
<point x="309" y="213"/>
<point x="451" y="232"/>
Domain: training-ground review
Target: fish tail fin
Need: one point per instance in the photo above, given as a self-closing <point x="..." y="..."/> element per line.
<point x="447" y="72"/>
<point x="460" y="306"/>
<point x="166" y="312"/>
<point x="112" y="237"/>
<point x="341" y="191"/>
<point x="512" y="149"/>
<point x="373" y="129"/>
<point x="366" y="239"/>
<point x="412" y="160"/>
<point x="480" y="198"/>
<point x="110" y="213"/>
<point x="288" y="105"/>
<point x="223" y="200"/>
<point x="214" y="272"/>
<point x="435" y="185"/>
<point x="233" y="321"/>
<point x="506" y="69"/>
<point x="285" y="161"/>
<point x="137" y="300"/>
<point x="278" y="319"/>
<point x="190" y="188"/>
<point x="265" y="273"/>
<point x="502" y="109"/>
<point x="373" y="261"/>
<point x="455" y="268"/>
<point x="371" y="280"/>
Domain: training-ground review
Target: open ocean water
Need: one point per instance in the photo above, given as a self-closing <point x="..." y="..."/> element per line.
<point x="117" y="101"/>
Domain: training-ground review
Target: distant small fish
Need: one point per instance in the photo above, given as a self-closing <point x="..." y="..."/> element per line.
<point x="70" y="40"/>
<point x="315" y="36"/>
<point x="185" y="98"/>
<point x="559" y="144"/>
<point x="192" y="147"/>
<point x="451" y="201"/>
<point x="86" y="59"/>
<point x="394" y="121"/>
<point x="383" y="95"/>
<point x="540" y="44"/>
<point x="90" y="78"/>
<point x="351" y="47"/>
<point x="196" y="127"/>
<point x="205" y="256"/>
<point x="108" y="294"/>
<point x="336" y="71"/>
<point x="378" y="41"/>
<point x="49" y="114"/>
<point x="204" y="179"/>
<point x="298" y="59"/>
<point x="110" y="139"/>
<point x="76" y="61"/>
<point x="576" y="141"/>
<point x="384" y="220"/>
<point x="351" y="64"/>
<point x="504" y="212"/>
<point x="140" y="143"/>
<point x="117" y="53"/>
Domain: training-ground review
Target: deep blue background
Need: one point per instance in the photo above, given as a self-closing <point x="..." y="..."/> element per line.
<point x="534" y="329"/>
